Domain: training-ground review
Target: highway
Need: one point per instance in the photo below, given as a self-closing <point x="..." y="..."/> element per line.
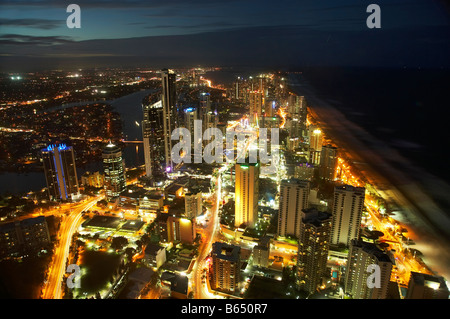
<point x="209" y="234"/>
<point x="57" y="268"/>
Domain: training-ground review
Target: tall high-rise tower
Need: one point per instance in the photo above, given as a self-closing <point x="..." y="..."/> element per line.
<point x="190" y="115"/>
<point x="226" y="264"/>
<point x="60" y="171"/>
<point x="153" y="137"/>
<point x="313" y="248"/>
<point x="256" y="102"/>
<point x="360" y="256"/>
<point x="315" y="144"/>
<point x="193" y="205"/>
<point x="246" y="194"/>
<point x="348" y="203"/>
<point x="170" y="113"/>
<point x="114" y="168"/>
<point x="294" y="195"/>
<point x="328" y="162"/>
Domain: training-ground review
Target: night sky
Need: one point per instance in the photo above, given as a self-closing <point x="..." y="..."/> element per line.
<point x="414" y="33"/>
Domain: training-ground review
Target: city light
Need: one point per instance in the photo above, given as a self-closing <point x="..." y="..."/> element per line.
<point x="220" y="229"/>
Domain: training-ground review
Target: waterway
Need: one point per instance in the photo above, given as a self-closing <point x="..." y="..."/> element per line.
<point x="130" y="109"/>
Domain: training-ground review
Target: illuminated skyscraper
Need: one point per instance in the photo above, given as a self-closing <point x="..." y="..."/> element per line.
<point x="60" y="172"/>
<point x="170" y="113"/>
<point x="204" y="105"/>
<point x="360" y="256"/>
<point x="114" y="169"/>
<point x="294" y="194"/>
<point x="226" y="264"/>
<point x="261" y="253"/>
<point x="315" y="144"/>
<point x="180" y="229"/>
<point x="190" y="116"/>
<point x="193" y="205"/>
<point x="19" y="238"/>
<point x="313" y="248"/>
<point x="328" y="162"/>
<point x="246" y="194"/>
<point x="348" y="203"/>
<point x="237" y="89"/>
<point x="297" y="110"/>
<point x="256" y="102"/>
<point x="153" y="137"/>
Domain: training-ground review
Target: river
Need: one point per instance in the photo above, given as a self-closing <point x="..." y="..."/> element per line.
<point x="130" y="109"/>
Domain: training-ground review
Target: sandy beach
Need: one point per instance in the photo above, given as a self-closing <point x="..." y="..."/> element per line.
<point x="411" y="189"/>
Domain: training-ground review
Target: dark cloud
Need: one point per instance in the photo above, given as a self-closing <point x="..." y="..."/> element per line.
<point x="20" y="39"/>
<point x="277" y="46"/>
<point x="175" y="13"/>
<point x="215" y="24"/>
<point x="43" y="24"/>
<point x="114" y="3"/>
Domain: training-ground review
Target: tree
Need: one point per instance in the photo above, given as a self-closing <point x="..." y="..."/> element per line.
<point x="129" y="252"/>
<point x="119" y="242"/>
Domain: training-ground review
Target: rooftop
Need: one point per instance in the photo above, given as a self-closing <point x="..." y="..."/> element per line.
<point x="314" y="216"/>
<point x="427" y="280"/>
<point x="133" y="225"/>
<point x="153" y="249"/>
<point x="225" y="251"/>
<point x="103" y="222"/>
<point x="372" y="249"/>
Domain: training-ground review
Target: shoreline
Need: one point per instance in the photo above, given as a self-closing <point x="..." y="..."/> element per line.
<point x="379" y="164"/>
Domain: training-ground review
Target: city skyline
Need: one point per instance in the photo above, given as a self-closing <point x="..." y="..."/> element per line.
<point x="224" y="153"/>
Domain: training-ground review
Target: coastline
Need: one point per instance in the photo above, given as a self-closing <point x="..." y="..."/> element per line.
<point x="392" y="176"/>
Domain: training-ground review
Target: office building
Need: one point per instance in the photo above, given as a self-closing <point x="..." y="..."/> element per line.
<point x="347" y="207"/>
<point x="226" y="264"/>
<point x="93" y="179"/>
<point x="256" y="102"/>
<point x="181" y="229"/>
<point x="361" y="255"/>
<point x="155" y="255"/>
<point x="261" y="253"/>
<point x="328" y="162"/>
<point x="313" y="249"/>
<point x="170" y="113"/>
<point x="294" y="195"/>
<point x="297" y="109"/>
<point x="60" y="172"/>
<point x="24" y="237"/>
<point x="426" y="286"/>
<point x="204" y="105"/>
<point x="153" y="137"/>
<point x="114" y="170"/>
<point x="304" y="171"/>
<point x="190" y="116"/>
<point x="149" y="205"/>
<point x="237" y="89"/>
<point x="315" y="144"/>
<point x="193" y="204"/>
<point x="246" y="194"/>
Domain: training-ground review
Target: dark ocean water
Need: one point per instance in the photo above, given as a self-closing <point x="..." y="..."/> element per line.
<point x="407" y="109"/>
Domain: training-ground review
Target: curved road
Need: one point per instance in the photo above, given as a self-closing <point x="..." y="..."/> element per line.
<point x="57" y="269"/>
<point x="208" y="237"/>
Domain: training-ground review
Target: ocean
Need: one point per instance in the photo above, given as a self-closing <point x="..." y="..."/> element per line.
<point x="396" y="119"/>
<point x="405" y="108"/>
